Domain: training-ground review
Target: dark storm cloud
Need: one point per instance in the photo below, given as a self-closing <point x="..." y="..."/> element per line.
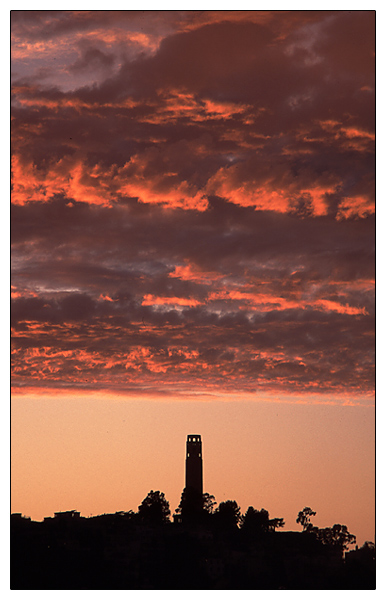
<point x="131" y="262"/>
<point x="94" y="58"/>
<point x="203" y="214"/>
<point x="37" y="25"/>
<point x="224" y="234"/>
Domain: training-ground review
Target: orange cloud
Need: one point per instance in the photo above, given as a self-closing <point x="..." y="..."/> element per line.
<point x="270" y="194"/>
<point x="30" y="96"/>
<point x="190" y="272"/>
<point x="355" y="206"/>
<point x="247" y="193"/>
<point x="332" y="306"/>
<point x="68" y="176"/>
<point x="166" y="190"/>
<point x="150" y="300"/>
<point x="267" y="302"/>
<point x="22" y="293"/>
<point x="178" y="104"/>
<point x="351" y="137"/>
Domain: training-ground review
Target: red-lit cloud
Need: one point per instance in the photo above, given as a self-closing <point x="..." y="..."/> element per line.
<point x="193" y="200"/>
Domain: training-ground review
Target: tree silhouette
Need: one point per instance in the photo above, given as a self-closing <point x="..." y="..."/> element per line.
<point x="255" y="521"/>
<point x="276" y="523"/>
<point x="304" y="518"/>
<point x="228" y="514"/>
<point x="258" y="521"/>
<point x="209" y="502"/>
<point x="154" y="508"/>
<point x="368" y="548"/>
<point x="337" y="535"/>
<point x="194" y="507"/>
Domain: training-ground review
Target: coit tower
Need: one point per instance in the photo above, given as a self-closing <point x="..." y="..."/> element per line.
<point x="193" y="464"/>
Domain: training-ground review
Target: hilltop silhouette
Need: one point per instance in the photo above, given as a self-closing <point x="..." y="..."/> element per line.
<point x="218" y="549"/>
<point x="203" y="546"/>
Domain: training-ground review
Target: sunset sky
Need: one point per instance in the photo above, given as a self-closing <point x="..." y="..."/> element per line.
<point x="192" y="230"/>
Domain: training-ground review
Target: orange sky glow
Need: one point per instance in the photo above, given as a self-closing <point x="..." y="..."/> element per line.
<point x="192" y="229"/>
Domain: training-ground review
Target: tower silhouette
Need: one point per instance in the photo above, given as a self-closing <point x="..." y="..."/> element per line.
<point x="193" y="465"/>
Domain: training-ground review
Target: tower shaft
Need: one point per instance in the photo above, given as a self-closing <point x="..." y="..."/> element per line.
<point x="193" y="464"/>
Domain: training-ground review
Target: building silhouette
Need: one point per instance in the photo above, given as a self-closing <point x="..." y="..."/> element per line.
<point x="193" y="465"/>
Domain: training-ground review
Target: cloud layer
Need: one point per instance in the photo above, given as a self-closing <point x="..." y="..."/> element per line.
<point x="193" y="200"/>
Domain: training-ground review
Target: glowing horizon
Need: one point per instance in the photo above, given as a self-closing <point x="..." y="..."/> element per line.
<point x="76" y="444"/>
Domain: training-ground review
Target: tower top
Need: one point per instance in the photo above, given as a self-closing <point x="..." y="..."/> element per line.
<point x="193" y="466"/>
